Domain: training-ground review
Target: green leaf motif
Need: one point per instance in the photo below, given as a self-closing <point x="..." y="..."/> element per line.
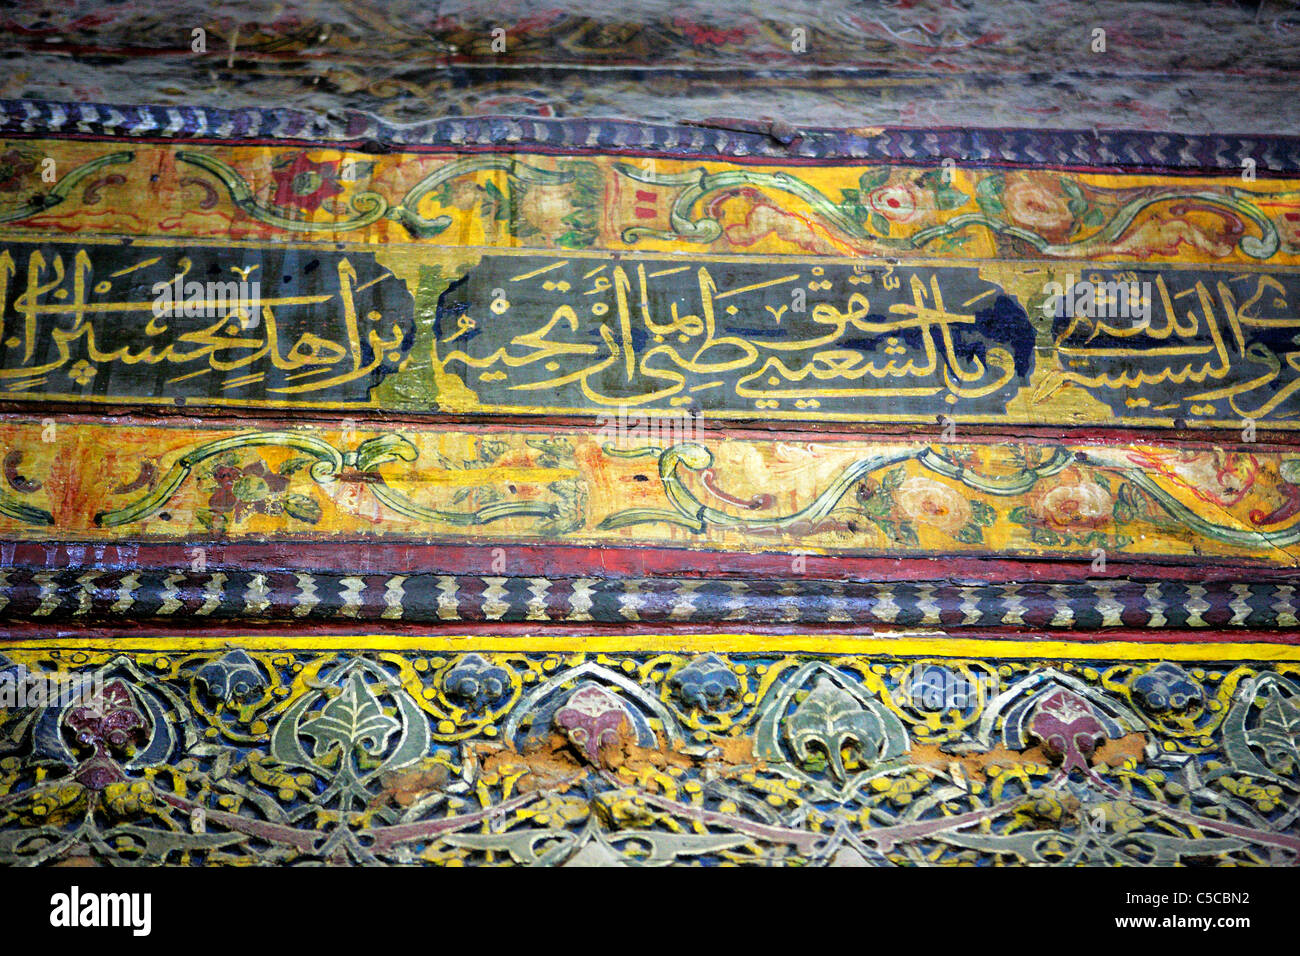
<point x="572" y="239"/>
<point x="1125" y="507"/>
<point x="872" y="179"/>
<point x="211" y="520"/>
<point x="878" y="505"/>
<point x="1046" y="538"/>
<point x="350" y="721"/>
<point x="502" y="204"/>
<point x="1072" y="189"/>
<point x="989" y="195"/>
<point x="948" y="198"/>
<point x="303" y="507"/>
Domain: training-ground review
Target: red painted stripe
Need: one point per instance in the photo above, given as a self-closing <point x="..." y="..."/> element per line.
<point x="374" y="556"/>
<point x="713" y="427"/>
<point x="292" y="631"/>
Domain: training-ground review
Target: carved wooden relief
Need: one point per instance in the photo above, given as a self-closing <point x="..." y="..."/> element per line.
<point x="567" y="491"/>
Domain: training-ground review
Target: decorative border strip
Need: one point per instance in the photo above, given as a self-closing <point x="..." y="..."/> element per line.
<point x="572" y="487"/>
<point x="926" y="644"/>
<point x="1122" y="149"/>
<point x="232" y="594"/>
<point x="906" y="753"/>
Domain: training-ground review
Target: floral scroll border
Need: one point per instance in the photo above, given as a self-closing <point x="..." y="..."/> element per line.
<point x="690" y="512"/>
<point x="1099" y="494"/>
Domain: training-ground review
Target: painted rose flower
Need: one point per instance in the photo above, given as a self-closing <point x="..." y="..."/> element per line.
<point x="303" y="184"/>
<point x="933" y="503"/>
<point x="1073" y="501"/>
<point x="1288" y="489"/>
<point x="15" y="166"/>
<point x="1215" y="476"/>
<point x="351" y="493"/>
<point x="1290" y="228"/>
<point x="1040" y="204"/>
<point x="251" y="489"/>
<point x="545" y="208"/>
<point x="701" y="35"/>
<point x="254" y="489"/>
<point x="897" y="202"/>
<point x="462" y="194"/>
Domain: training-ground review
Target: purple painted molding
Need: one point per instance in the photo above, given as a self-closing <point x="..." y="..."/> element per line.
<point x="1011" y="147"/>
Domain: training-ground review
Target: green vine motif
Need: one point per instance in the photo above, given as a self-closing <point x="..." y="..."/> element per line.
<point x="689" y="512"/>
<point x="701" y="183"/>
<point x="11" y="507"/>
<point x="64" y="188"/>
<point x="327" y="466"/>
<point x="369" y="207"/>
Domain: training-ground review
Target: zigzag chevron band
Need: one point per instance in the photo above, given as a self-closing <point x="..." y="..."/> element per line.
<point x="1113" y="149"/>
<point x="233" y="594"/>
